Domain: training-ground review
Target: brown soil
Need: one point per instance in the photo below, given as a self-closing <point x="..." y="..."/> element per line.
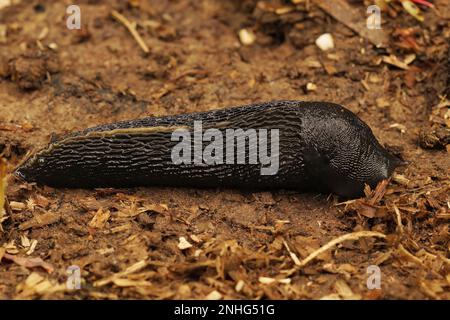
<point x="196" y="62"/>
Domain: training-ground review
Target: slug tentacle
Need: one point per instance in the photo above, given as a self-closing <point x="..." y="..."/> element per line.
<point x="281" y="144"/>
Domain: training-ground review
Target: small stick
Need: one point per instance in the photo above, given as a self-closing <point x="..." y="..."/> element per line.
<point x="132" y="28"/>
<point x="399" y="219"/>
<point x="345" y="237"/>
<point x="292" y="254"/>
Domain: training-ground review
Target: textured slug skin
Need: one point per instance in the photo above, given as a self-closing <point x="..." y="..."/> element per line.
<point x="322" y="147"/>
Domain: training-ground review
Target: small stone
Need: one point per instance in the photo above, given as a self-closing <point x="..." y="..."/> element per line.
<point x="325" y="42"/>
<point x="311" y="86"/>
<point x="53" y="46"/>
<point x="247" y="37"/>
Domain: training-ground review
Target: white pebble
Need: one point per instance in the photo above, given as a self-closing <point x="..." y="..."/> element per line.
<point x="311" y="86"/>
<point x="325" y="42"/>
<point x="247" y="37"/>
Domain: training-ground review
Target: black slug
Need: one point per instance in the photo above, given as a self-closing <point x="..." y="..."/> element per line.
<point x="281" y="144"/>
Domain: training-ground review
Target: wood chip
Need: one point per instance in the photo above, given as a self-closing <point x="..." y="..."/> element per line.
<point x="32" y="247"/>
<point x="285" y="280"/>
<point x="247" y="37"/>
<point x="399" y="219"/>
<point x="37" y="284"/>
<point x="121" y="228"/>
<point x="266" y="280"/>
<point x="400" y="179"/>
<point x="100" y="218"/>
<point x="195" y="238"/>
<point x="214" y="295"/>
<point x="11" y="248"/>
<point x="311" y="62"/>
<point x="345" y="291"/>
<point x="39" y="221"/>
<point x="17" y="206"/>
<point x="131" y="283"/>
<point x="239" y="286"/>
<point x="395" y="61"/>
<point x="24" y="241"/>
<point x="131" y="269"/>
<point x="183" y="244"/>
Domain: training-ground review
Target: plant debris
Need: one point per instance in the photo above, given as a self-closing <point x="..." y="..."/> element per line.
<point x="187" y="243"/>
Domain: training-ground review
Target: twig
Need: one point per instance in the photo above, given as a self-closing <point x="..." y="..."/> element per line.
<point x="292" y="254"/>
<point x="132" y="28"/>
<point x="329" y="245"/>
<point x="131" y="269"/>
<point x="401" y="250"/>
<point x="334" y="242"/>
<point x="399" y="219"/>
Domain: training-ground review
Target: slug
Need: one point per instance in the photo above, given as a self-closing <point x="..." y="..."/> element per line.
<point x="307" y="146"/>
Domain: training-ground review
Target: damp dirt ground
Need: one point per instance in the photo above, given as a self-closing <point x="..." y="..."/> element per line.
<point x="127" y="243"/>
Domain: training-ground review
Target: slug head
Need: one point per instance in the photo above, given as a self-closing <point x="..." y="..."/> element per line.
<point x="29" y="168"/>
<point x="370" y="166"/>
<point x="346" y="154"/>
<point x="41" y="168"/>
